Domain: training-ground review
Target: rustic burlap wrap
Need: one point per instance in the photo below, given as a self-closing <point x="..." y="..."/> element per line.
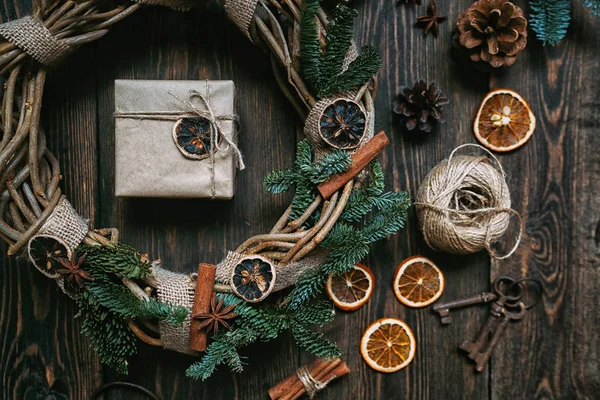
<point x="287" y="274"/>
<point x="241" y="13"/>
<point x="311" y="126"/>
<point x="64" y="223"/>
<point x="32" y="36"/>
<point x="176" y="289"/>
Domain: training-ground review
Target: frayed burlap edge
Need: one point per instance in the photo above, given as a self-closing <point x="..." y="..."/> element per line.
<point x="32" y="36"/>
<point x="175" y="289"/>
<point x="241" y="13"/>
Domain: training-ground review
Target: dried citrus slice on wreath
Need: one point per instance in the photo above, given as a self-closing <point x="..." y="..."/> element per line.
<point x="352" y="289"/>
<point x="388" y="345"/>
<point x="504" y="121"/>
<point x="418" y="282"/>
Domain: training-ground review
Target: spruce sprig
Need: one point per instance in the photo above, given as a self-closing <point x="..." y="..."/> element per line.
<point x="550" y="19"/>
<point x="305" y="175"/>
<point x="594" y="5"/>
<point x="118" y="259"/>
<point x="323" y="69"/>
<point x="265" y="323"/>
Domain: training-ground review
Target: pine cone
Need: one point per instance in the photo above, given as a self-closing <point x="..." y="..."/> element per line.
<point x="493" y="31"/>
<point x="421" y="106"/>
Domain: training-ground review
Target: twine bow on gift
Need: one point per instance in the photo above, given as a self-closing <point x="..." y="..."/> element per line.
<point x="203" y="110"/>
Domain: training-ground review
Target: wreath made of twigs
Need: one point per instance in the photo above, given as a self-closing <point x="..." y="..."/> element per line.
<point x="32" y="204"/>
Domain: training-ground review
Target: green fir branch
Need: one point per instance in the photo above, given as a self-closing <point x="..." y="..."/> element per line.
<point x="309" y="43"/>
<point x="119" y="259"/>
<point x="332" y="163"/>
<point x="550" y="19"/>
<point x="594" y="5"/>
<point x="359" y="71"/>
<point x="110" y="336"/>
<point x="223" y="350"/>
<point x="280" y="180"/>
<point x="315" y="343"/>
<point x="339" y="40"/>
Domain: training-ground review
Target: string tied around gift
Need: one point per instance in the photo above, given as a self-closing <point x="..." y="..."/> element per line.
<point x="312" y="385"/>
<point x="205" y="111"/>
<point x="463" y="205"/>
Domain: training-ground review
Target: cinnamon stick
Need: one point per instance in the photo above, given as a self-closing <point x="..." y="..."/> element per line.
<point x="285" y="385"/>
<point x="339" y="371"/>
<point x="360" y="160"/>
<point x="292" y="388"/>
<point x="202" y="297"/>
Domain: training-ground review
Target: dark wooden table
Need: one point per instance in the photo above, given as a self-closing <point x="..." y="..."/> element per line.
<point x="553" y="353"/>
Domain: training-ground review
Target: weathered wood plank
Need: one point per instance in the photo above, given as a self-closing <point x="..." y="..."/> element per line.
<point x="553" y="352"/>
<point x="42" y="353"/>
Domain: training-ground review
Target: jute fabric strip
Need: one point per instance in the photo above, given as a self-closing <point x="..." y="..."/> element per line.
<point x="32" y="36"/>
<point x="175" y="289"/>
<point x="64" y="223"/>
<point x="311" y="126"/>
<point x="241" y="13"/>
<point x="287" y="274"/>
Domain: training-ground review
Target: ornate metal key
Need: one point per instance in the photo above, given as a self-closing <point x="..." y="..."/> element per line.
<point x="443" y="309"/>
<point x="496" y="313"/>
<point x="481" y="359"/>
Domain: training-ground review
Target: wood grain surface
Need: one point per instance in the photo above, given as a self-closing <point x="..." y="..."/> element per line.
<point x="554" y="353"/>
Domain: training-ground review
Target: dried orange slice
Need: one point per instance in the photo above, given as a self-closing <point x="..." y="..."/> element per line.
<point x="388" y="345"/>
<point x="352" y="289"/>
<point x="418" y="282"/>
<point x="504" y="121"/>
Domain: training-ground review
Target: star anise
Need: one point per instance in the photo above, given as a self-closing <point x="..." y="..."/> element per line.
<point x="216" y="316"/>
<point x="72" y="270"/>
<point x="432" y="19"/>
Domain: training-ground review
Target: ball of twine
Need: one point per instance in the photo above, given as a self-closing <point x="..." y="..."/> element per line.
<point x="463" y="205"/>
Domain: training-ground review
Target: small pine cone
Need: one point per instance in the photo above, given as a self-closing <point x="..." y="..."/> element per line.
<point x="421" y="106"/>
<point x="492" y="31"/>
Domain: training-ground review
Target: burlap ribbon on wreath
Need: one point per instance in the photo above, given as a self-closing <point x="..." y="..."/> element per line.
<point x="241" y="13"/>
<point x="32" y="36"/>
<point x="178" y="289"/>
<point x="311" y="126"/>
<point x="287" y="274"/>
<point x="175" y="289"/>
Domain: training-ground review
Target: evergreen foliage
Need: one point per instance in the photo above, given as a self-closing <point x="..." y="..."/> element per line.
<point x="323" y="68"/>
<point x="346" y="244"/>
<point x="111" y="338"/>
<point x="594" y="5"/>
<point x="106" y="305"/>
<point x="117" y="259"/>
<point x="265" y="323"/>
<point x="550" y="19"/>
<point x="306" y="175"/>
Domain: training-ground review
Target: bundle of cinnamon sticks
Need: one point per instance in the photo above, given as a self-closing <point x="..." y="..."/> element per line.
<point x="292" y="388"/>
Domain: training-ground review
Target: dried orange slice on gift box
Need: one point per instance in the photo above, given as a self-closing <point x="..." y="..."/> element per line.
<point x="418" y="282"/>
<point x="388" y="345"/>
<point x="504" y="121"/>
<point x="352" y="289"/>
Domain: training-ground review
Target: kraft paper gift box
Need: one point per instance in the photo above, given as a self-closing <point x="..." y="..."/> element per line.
<point x="148" y="160"/>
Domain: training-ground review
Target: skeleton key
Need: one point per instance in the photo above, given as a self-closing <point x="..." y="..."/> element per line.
<point x="482" y="359"/>
<point x="496" y="312"/>
<point x="443" y="309"/>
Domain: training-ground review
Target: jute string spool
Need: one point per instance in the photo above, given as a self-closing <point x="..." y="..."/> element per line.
<point x="463" y="205"/>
